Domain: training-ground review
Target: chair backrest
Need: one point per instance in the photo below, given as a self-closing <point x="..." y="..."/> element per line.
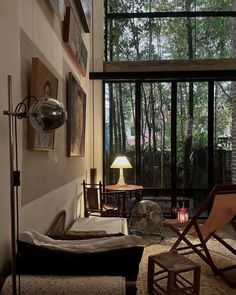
<point x="112" y="202"/>
<point x="218" y="189"/>
<point x="106" y="203"/>
<point x="91" y="198"/>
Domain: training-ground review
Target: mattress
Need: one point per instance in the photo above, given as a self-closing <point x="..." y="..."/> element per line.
<point x="73" y="285"/>
<point x="111" y="225"/>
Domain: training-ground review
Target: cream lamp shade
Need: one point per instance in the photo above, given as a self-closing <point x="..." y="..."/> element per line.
<point x="121" y="162"/>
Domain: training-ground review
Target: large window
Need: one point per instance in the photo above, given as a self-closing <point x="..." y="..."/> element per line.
<point x="168" y="30"/>
<point x="132" y="6"/>
<point x="176" y="132"/>
<point x="177" y="136"/>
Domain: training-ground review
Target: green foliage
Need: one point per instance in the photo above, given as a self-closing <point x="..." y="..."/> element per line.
<point x="166" y="38"/>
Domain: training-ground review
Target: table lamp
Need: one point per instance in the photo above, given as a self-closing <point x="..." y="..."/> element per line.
<point x="121" y="162"/>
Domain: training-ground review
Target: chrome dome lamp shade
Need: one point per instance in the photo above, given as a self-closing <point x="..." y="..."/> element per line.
<point x="47" y="114"/>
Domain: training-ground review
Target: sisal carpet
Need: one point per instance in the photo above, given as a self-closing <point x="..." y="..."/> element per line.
<point x="210" y="284"/>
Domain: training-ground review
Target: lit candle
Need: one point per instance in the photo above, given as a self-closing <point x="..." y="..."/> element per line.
<point x="182" y="215"/>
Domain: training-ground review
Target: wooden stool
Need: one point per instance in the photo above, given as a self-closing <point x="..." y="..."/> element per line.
<point x="172" y="265"/>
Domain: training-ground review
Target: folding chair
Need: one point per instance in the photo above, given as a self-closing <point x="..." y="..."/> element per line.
<point x="223" y="200"/>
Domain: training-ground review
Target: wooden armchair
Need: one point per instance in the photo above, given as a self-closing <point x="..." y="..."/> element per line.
<point x="102" y="203"/>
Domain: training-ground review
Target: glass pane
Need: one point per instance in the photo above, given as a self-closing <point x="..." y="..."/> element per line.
<point x="156" y="135"/>
<point x="192" y="135"/>
<point x="169" y="38"/>
<point x="119" y="129"/>
<point x="212" y="5"/>
<point x="167" y="5"/>
<point x="223" y="132"/>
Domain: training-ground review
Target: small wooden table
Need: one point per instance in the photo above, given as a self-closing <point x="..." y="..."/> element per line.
<point x="126" y="187"/>
<point x="171" y="267"/>
<point x="131" y="189"/>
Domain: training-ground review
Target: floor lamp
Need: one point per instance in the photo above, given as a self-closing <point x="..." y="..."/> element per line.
<point x="45" y="115"/>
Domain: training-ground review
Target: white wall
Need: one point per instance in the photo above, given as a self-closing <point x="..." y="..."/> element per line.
<point x="96" y="85"/>
<point x="9" y="65"/>
<point x="28" y="27"/>
<point x="42" y="27"/>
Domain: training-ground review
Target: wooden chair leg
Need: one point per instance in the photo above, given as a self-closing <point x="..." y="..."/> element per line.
<point x="150" y="275"/>
<point x="196" y="280"/>
<point x="171" y="282"/>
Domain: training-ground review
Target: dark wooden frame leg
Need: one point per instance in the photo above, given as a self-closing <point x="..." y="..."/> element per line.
<point x="150" y="275"/>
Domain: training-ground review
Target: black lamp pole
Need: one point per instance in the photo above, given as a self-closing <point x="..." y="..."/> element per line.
<point x="12" y="188"/>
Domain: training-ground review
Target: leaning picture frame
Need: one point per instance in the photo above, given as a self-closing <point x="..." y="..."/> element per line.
<point x="76" y="107"/>
<point x="43" y="84"/>
<point x="59" y="7"/>
<point x="84" y="11"/>
<point x="74" y="42"/>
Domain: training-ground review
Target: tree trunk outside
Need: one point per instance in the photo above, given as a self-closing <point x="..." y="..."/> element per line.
<point x="189" y="135"/>
<point x="233" y="94"/>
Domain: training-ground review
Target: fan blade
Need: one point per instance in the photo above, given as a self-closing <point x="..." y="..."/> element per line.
<point x="155" y="216"/>
<point x="140" y="208"/>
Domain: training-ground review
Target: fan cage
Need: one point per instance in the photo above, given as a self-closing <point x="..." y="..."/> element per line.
<point x="146" y="219"/>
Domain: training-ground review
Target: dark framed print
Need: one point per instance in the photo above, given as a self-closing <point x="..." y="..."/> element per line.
<point x="76" y="106"/>
<point x="74" y="42"/>
<point x="59" y="8"/>
<point x="84" y="10"/>
<point x="43" y="84"/>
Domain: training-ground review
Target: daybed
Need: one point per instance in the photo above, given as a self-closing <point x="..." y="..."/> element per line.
<point x="113" y="255"/>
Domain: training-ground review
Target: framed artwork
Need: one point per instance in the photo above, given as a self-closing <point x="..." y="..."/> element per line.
<point x="76" y="107"/>
<point x="74" y="42"/>
<point x="43" y="84"/>
<point x="59" y="7"/>
<point x="84" y="10"/>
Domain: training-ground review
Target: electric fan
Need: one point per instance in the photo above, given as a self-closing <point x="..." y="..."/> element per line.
<point x="146" y="219"/>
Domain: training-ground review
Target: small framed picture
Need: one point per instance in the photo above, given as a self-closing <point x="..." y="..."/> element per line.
<point x="84" y="10"/>
<point x="59" y="8"/>
<point x="43" y="84"/>
<point x="74" y="42"/>
<point x="76" y="107"/>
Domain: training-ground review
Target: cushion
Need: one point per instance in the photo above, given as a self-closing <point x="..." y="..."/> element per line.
<point x="58" y="225"/>
<point x="112" y="225"/>
<point x="35" y="259"/>
<point x="92" y="245"/>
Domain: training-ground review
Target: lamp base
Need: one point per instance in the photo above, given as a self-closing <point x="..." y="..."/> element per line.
<point x="121" y="183"/>
<point x="121" y="180"/>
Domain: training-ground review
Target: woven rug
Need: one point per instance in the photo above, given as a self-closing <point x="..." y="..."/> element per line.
<point x="210" y="284"/>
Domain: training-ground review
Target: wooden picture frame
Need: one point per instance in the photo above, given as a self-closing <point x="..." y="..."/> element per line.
<point x="76" y="107"/>
<point x="59" y="7"/>
<point x="84" y="10"/>
<point x="74" y="42"/>
<point x="43" y="84"/>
